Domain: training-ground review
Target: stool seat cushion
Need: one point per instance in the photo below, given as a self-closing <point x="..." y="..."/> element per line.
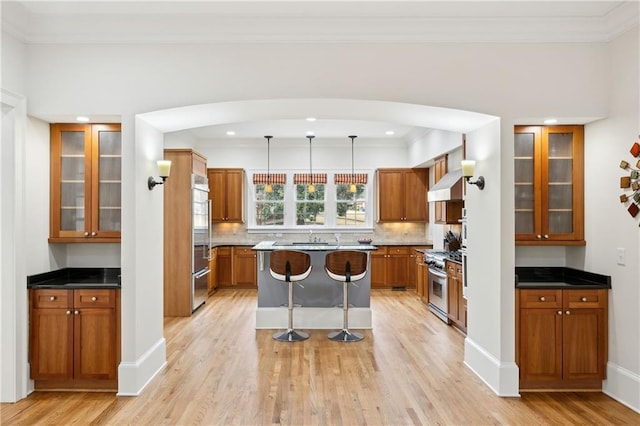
<point x="336" y="265"/>
<point x="292" y="263"/>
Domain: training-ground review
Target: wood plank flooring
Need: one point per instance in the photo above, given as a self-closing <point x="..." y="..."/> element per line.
<point x="407" y="371"/>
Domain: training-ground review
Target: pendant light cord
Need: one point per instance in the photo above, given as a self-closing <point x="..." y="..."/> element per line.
<point x="352" y="170"/>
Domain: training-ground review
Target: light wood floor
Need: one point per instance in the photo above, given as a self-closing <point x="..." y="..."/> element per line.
<point x="407" y="371"/>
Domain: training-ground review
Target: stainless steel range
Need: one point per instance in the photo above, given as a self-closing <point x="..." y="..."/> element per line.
<point x="437" y="281"/>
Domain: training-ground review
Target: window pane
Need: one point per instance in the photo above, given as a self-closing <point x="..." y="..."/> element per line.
<point x="350" y="206"/>
<point x="269" y="205"/>
<point x="310" y="205"/>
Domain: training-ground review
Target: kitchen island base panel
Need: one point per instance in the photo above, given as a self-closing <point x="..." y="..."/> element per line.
<point x="313" y="318"/>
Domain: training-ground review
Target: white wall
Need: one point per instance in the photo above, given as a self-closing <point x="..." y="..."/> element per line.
<point x="130" y="79"/>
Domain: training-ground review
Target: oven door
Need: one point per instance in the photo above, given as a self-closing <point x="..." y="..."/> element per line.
<point x="438" y="301"/>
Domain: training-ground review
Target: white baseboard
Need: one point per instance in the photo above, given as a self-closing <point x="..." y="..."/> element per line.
<point x="500" y="377"/>
<point x="133" y="377"/>
<point x="312" y="318"/>
<point x="623" y="386"/>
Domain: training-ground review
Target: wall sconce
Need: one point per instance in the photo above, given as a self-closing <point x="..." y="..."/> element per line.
<point x="468" y="167"/>
<point x="164" y="168"/>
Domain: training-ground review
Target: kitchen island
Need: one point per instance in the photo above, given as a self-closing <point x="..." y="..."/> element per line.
<point x="316" y="299"/>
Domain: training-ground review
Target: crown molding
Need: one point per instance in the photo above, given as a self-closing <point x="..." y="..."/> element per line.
<point x="101" y="25"/>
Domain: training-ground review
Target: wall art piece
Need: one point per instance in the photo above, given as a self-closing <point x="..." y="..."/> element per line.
<point x="630" y="183"/>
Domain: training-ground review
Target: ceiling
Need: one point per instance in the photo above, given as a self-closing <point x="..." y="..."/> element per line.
<point x="304" y="21"/>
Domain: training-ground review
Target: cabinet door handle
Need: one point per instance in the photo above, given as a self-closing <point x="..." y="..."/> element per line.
<point x="93" y="299"/>
<point x="583" y="299"/>
<point x="86" y="234"/>
<point x="94" y="233"/>
<point x="76" y="312"/>
<point x="542" y="299"/>
<point x="546" y="236"/>
<point x="539" y="236"/>
<point x="52" y="298"/>
<point x="567" y="312"/>
<point x="68" y="312"/>
<point x="559" y="312"/>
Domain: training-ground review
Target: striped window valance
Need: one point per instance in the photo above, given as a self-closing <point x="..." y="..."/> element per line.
<point x="348" y="178"/>
<point x="269" y="178"/>
<point x="306" y="178"/>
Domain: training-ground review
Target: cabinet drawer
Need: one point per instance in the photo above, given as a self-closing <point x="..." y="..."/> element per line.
<point x="52" y="298"/>
<point x="98" y="298"/>
<point x="540" y="298"/>
<point x="243" y="251"/>
<point x="398" y="250"/>
<point x="224" y="251"/>
<point x="587" y="298"/>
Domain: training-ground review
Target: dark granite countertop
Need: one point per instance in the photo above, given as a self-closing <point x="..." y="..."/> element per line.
<point x="555" y="277"/>
<point x="71" y="278"/>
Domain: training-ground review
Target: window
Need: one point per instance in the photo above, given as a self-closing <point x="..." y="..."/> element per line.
<point x="350" y="206"/>
<point x="310" y="205"/>
<point x="269" y="202"/>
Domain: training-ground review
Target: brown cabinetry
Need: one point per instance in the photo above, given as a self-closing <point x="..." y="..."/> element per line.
<point x="74" y="338"/>
<point x="237" y="267"/>
<point x="226" y="192"/>
<point x="457" y="304"/>
<point x="85" y="192"/>
<point x="549" y="188"/>
<point x="390" y="266"/>
<point x="446" y="212"/>
<point x="178" y="230"/>
<point x="422" y="289"/>
<point x="401" y="195"/>
<point x="562" y="338"/>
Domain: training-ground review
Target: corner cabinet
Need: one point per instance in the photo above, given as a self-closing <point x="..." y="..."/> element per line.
<point x="561" y="338"/>
<point x="86" y="184"/>
<point x="549" y="185"/>
<point x="75" y="338"/>
<point x="402" y="195"/>
<point x="226" y="191"/>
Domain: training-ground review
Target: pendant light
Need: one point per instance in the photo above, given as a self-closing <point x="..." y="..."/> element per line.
<point x="311" y="188"/>
<point x="352" y="187"/>
<point x="268" y="187"/>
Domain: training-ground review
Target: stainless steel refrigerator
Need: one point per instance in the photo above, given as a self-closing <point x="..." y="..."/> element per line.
<point x="201" y="239"/>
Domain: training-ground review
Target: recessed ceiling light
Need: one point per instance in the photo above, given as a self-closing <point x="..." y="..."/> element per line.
<point x="82" y="119"/>
<point x="231" y="133"/>
<point x="389" y="133"/>
<point x="550" y="121"/>
<point x="311" y="119"/>
<point x="310" y="133"/>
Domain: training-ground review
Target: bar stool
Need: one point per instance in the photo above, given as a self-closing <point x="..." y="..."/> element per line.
<point x="346" y="266"/>
<point x="290" y="266"/>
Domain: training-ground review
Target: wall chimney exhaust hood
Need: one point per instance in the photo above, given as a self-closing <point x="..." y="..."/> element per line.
<point x="448" y="188"/>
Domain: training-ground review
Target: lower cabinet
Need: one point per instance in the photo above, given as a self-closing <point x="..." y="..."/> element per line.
<point x="422" y="281"/>
<point x="212" y="278"/>
<point x="390" y="267"/>
<point x="561" y="338"/>
<point x="237" y="267"/>
<point x="457" y="311"/>
<point x="74" y="338"/>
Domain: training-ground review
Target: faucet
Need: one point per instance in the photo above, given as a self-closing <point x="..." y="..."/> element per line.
<point x="310" y="235"/>
<point x="337" y="235"/>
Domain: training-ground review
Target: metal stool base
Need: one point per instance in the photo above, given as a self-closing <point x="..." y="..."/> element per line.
<point x="345" y="336"/>
<point x="290" y="336"/>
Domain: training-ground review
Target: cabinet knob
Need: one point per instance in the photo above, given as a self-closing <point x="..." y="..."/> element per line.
<point x="546" y="236"/>
<point x="539" y="236"/>
<point x="583" y="299"/>
<point x="567" y="312"/>
<point x="76" y="312"/>
<point x="559" y="312"/>
<point x="68" y="312"/>
<point x="93" y="234"/>
<point x="86" y="234"/>
<point x="93" y="299"/>
<point x="52" y="298"/>
<point x="542" y="299"/>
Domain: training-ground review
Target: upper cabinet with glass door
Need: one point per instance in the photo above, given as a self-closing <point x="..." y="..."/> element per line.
<point x="85" y="183"/>
<point x="549" y="187"/>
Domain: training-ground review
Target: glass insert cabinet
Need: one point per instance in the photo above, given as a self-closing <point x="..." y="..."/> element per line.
<point x="85" y="183"/>
<point x="549" y="188"/>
